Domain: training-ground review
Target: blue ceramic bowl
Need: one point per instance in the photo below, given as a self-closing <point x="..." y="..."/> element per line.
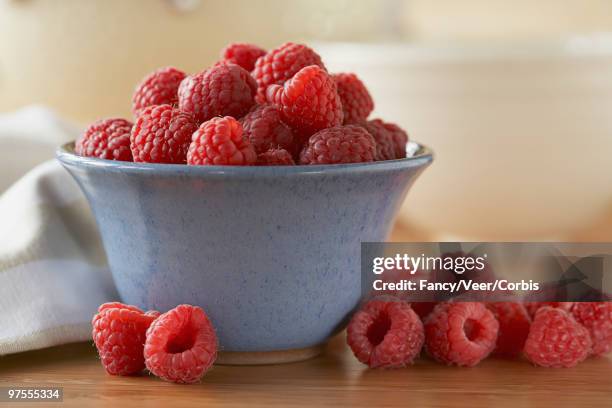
<point x="272" y="254"/>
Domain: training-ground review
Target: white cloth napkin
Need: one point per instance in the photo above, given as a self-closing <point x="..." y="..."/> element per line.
<point x="53" y="271"/>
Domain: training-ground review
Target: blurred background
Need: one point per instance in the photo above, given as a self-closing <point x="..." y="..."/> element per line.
<point x="514" y="97"/>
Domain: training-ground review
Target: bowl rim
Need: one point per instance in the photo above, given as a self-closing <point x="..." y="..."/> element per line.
<point x="421" y="156"/>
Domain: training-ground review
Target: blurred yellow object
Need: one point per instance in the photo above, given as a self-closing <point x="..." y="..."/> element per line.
<point x="522" y="135"/>
<point x="487" y="21"/>
<point x="84" y="58"/>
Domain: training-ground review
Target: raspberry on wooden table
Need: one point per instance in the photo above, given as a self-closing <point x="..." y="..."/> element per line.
<point x="225" y="89"/>
<point x="242" y="54"/>
<point x="514" y="323"/>
<point x="357" y="103"/>
<point x="308" y="102"/>
<point x="462" y="333"/>
<point x="556" y="339"/>
<point x="106" y="139"/>
<point x="596" y="317"/>
<point x="340" y="144"/>
<point x="158" y="88"/>
<point x="385" y="334"/>
<point x="162" y="134"/>
<point x="282" y="63"/>
<point x="220" y="141"/>
<point x="181" y="345"/>
<point x="119" y="335"/>
<point x="423" y="309"/>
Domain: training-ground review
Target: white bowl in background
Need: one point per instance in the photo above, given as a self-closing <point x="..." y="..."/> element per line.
<point x="522" y="134"/>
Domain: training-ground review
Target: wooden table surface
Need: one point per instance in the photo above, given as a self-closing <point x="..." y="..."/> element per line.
<point x="332" y="379"/>
<point x="335" y="378"/>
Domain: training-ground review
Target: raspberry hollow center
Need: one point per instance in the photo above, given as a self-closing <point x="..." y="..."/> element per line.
<point x="182" y="341"/>
<point x="378" y="329"/>
<point x="471" y="328"/>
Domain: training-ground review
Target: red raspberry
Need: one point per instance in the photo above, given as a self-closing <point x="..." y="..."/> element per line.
<point x="460" y="333"/>
<point x="556" y="339"/>
<point x="357" y="103"/>
<point x="106" y="139"/>
<point x="282" y="63"/>
<point x="220" y="142"/>
<point x="275" y="157"/>
<point x="242" y="54"/>
<point x="223" y="90"/>
<point x="514" y="323"/>
<point x="385" y="142"/>
<point x="340" y="144"/>
<point x="399" y="136"/>
<point x="309" y="101"/>
<point x="158" y="88"/>
<point x="181" y="345"/>
<point x="264" y="129"/>
<point x="597" y="318"/>
<point x="532" y="307"/>
<point x="423" y="309"/>
<point x="385" y="334"/>
<point x="161" y="135"/>
<point x="119" y="334"/>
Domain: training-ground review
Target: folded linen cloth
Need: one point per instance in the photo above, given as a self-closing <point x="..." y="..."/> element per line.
<point x="53" y="271"/>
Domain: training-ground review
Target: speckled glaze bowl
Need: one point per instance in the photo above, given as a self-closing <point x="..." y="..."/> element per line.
<point x="272" y="254"/>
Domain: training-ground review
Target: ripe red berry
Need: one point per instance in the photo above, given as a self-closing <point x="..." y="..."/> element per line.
<point x="223" y="90"/>
<point x="423" y="309"/>
<point x="556" y="340"/>
<point x="282" y="63"/>
<point x="158" y="88"/>
<point x="596" y="317"/>
<point x="265" y="130"/>
<point x="275" y="157"/>
<point x="340" y="144"/>
<point x="181" y="345"/>
<point x="242" y="54"/>
<point x="357" y="103"/>
<point x="119" y="335"/>
<point x="220" y="141"/>
<point x="106" y="139"/>
<point x="397" y="134"/>
<point x="514" y="323"/>
<point x="309" y="101"/>
<point x="532" y="307"/>
<point x="162" y="135"/>
<point x="385" y="334"/>
<point x="462" y="333"/>
<point x="385" y="142"/>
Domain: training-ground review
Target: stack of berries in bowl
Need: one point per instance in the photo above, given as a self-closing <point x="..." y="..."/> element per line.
<point x="280" y="107"/>
<point x="391" y="333"/>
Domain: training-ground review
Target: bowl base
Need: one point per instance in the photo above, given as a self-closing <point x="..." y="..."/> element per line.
<point x="267" y="357"/>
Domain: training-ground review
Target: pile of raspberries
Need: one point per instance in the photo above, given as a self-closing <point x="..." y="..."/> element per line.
<point x="181" y="345"/>
<point x="390" y="333"/>
<point x="178" y="346"/>
<point x="253" y="107"/>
